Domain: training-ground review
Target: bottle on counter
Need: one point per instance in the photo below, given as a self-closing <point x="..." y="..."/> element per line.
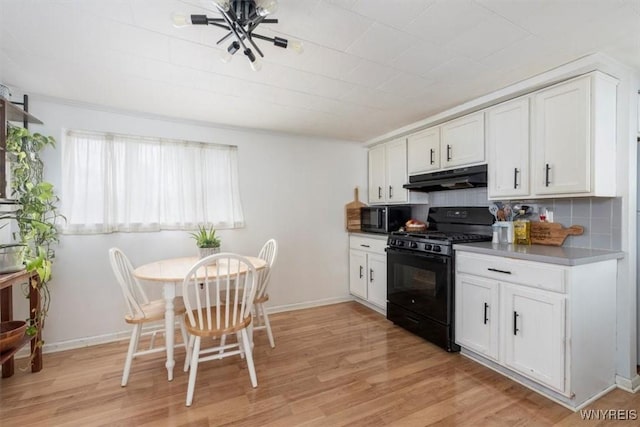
<point x="522" y="232"/>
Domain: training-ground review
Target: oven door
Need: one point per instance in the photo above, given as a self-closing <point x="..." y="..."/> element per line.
<point x="421" y="283"/>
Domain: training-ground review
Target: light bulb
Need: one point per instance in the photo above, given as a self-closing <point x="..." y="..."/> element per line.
<point x="231" y="50"/>
<point x="223" y="4"/>
<point x="266" y="7"/>
<point x="256" y="65"/>
<point x="296" y="46"/>
<point x="226" y="57"/>
<point x="180" y="20"/>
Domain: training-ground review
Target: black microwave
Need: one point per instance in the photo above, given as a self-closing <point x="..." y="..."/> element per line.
<point x="384" y="219"/>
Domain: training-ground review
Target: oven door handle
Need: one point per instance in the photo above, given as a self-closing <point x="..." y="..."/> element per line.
<point x="437" y="258"/>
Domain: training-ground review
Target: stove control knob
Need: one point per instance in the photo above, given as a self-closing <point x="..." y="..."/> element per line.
<point x="427" y="246"/>
<point x="399" y="242"/>
<point x="437" y="248"/>
<point x="392" y="242"/>
<point x="413" y="245"/>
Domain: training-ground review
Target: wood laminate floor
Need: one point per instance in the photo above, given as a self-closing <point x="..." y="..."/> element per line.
<point x="335" y="365"/>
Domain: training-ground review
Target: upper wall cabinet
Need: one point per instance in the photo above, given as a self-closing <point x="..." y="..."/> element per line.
<point x="564" y="146"/>
<point x="388" y="173"/>
<point x="508" y="146"/>
<point x="423" y="151"/>
<point x="574" y="137"/>
<point x="462" y="141"/>
<point x="459" y="142"/>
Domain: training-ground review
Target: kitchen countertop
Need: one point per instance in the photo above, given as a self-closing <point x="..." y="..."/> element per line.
<point x="540" y="253"/>
<point x="380" y="236"/>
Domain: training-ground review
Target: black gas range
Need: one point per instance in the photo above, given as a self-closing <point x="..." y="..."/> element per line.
<point x="435" y="242"/>
<point x="420" y="271"/>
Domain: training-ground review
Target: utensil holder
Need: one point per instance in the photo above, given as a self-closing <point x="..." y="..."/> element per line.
<point x="505" y="231"/>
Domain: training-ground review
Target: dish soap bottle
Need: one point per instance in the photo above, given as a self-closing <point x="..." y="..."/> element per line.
<point x="522" y="232"/>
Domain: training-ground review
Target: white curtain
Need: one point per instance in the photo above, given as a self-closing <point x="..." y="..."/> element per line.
<point x="127" y="183"/>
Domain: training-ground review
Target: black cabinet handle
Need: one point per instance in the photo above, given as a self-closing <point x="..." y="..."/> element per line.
<point x="499" y="271"/>
<point x="448" y="153"/>
<point x="412" y="319"/>
<point x="515" y="177"/>
<point x="515" y="322"/>
<point x="547" y="168"/>
<point x="361" y="270"/>
<point x="390" y="192"/>
<point x="486" y="307"/>
<point x="371" y="274"/>
<point x="431" y="153"/>
<point x="365" y="246"/>
<point x="379" y="192"/>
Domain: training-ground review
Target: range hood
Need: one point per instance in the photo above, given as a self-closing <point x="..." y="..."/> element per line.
<point x="454" y="179"/>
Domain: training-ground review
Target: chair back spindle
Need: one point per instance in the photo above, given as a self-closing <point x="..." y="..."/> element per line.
<point x="132" y="291"/>
<point x="228" y="275"/>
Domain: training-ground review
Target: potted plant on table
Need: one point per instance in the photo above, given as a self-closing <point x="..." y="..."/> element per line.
<point x="206" y="240"/>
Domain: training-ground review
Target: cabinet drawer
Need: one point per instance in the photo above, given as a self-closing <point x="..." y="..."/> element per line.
<point x="368" y="244"/>
<point x="534" y="274"/>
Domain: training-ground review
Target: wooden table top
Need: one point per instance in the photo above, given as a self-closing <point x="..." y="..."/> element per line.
<point x="175" y="269"/>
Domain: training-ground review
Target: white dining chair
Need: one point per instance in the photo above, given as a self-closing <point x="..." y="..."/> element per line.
<point x="140" y="310"/>
<point x="269" y="252"/>
<point x="218" y="292"/>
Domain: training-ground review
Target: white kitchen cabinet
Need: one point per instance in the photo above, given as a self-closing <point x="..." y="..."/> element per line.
<point x="377" y="284"/>
<point x="377" y="174"/>
<point x="574" y="138"/>
<point x="358" y="273"/>
<point x="534" y="342"/>
<point x="477" y="315"/>
<point x="368" y="269"/>
<point x="423" y="151"/>
<point x="550" y="327"/>
<point x="462" y="141"/>
<point x="388" y="173"/>
<point x="508" y="149"/>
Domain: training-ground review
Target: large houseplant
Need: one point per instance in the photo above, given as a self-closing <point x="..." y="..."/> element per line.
<point x="36" y="212"/>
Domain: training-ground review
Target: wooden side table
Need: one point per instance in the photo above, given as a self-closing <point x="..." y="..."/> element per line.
<point x="6" y="313"/>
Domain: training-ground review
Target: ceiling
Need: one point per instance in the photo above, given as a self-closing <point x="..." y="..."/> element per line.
<point x="368" y="67"/>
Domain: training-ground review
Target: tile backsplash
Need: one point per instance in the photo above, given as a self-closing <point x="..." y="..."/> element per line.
<point x="600" y="217"/>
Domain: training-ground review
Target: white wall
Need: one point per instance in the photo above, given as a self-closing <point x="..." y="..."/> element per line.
<point x="293" y="188"/>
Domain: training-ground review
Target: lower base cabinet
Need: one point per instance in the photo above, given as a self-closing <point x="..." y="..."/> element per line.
<point x="550" y="327"/>
<point x="368" y="269"/>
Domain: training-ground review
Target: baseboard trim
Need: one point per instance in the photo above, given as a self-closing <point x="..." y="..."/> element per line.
<point x="629" y="385"/>
<point x="124" y="335"/>
<point x="310" y="304"/>
<point x="85" y="342"/>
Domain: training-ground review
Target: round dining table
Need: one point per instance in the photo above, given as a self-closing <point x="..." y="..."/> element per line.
<point x="170" y="273"/>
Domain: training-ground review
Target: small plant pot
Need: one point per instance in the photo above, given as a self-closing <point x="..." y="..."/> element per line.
<point x="205" y="252"/>
<point x="11" y="259"/>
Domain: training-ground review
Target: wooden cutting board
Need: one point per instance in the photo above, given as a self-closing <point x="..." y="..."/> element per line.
<point x="352" y="213"/>
<point x="552" y="233"/>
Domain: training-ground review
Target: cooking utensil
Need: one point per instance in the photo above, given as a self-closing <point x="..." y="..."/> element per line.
<point x="493" y="209"/>
<point x="508" y="213"/>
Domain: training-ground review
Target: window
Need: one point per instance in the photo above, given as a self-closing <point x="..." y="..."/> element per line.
<point x="116" y="182"/>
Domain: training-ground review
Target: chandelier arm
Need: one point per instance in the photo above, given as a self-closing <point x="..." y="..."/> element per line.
<point x="255" y="46"/>
<point x="232" y="27"/>
<point x="248" y="37"/>
<point x="215" y="24"/>
<point x="229" y="34"/>
<point x="261" y="37"/>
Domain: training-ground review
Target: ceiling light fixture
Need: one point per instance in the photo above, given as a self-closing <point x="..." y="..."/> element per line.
<point x="240" y="18"/>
